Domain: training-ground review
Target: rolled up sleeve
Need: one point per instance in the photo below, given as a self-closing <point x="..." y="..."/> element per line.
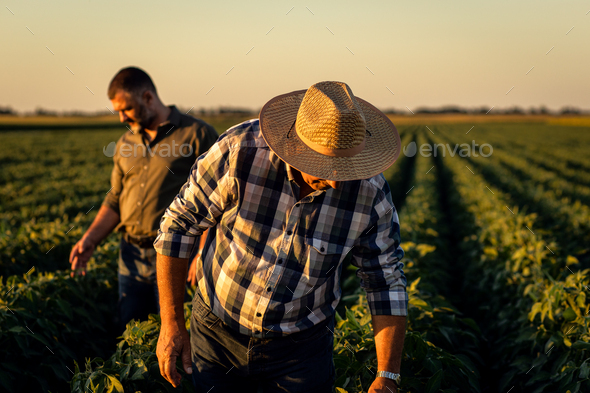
<point x="199" y="204"/>
<point x="378" y="256"/>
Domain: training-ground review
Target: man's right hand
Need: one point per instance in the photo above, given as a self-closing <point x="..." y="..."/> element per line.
<point x="79" y="256"/>
<point x="173" y="342"/>
<point x="105" y="221"/>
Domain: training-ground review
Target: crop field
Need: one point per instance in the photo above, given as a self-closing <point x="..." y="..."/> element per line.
<point x="497" y="243"/>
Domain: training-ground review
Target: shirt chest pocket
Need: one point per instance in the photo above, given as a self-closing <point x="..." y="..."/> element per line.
<point x="323" y="257"/>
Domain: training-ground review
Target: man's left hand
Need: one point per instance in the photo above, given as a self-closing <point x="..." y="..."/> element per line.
<point x="383" y="385"/>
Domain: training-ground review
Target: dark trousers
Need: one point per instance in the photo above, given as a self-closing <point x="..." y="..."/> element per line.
<point x="138" y="290"/>
<point x="232" y="362"/>
<point x="137" y="300"/>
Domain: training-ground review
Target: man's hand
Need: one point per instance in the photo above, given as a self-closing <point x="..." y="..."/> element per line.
<point x="105" y="221"/>
<point x="173" y="343"/>
<point x="80" y="254"/>
<point x="383" y="385"/>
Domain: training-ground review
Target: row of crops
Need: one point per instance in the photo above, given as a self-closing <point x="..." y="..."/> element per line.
<point x="496" y="261"/>
<point x="526" y="286"/>
<point x="49" y="183"/>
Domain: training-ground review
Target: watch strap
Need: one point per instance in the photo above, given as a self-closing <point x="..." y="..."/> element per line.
<point x="389" y="375"/>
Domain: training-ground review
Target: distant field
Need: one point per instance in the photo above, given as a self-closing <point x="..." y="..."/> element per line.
<point x="497" y="261"/>
<point x="477" y="119"/>
<point x="222" y="122"/>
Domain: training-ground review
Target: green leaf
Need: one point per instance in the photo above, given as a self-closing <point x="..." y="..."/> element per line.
<point x="366" y="319"/>
<point x="352" y="319"/>
<point x="140" y="370"/>
<point x="471" y="323"/>
<point x="101" y="383"/>
<point x="539" y="376"/>
<point x="18" y="329"/>
<point x="432" y="364"/>
<point x="125" y="373"/>
<point x="433" y="384"/>
<point x="535" y="310"/>
<point x="569" y="314"/>
<point x="581" y="300"/>
<point x="542" y="387"/>
<point x="445" y="332"/>
<point x="60" y="371"/>
<point x="556" y="339"/>
<point x="115" y="385"/>
<point x="557" y="364"/>
<point x="580" y="345"/>
<point x="421" y="304"/>
<point x="584" y="370"/>
<point x="65" y="307"/>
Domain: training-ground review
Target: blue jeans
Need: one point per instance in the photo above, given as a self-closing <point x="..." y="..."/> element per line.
<point x="138" y="290"/>
<point x="233" y="362"/>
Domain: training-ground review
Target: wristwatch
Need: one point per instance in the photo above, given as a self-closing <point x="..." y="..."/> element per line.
<point x="386" y="374"/>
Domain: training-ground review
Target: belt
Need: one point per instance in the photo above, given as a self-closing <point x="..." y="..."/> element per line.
<point x="140" y="241"/>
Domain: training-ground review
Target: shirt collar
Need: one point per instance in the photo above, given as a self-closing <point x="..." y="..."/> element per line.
<point x="310" y="197"/>
<point x="164" y="128"/>
<point x="173" y="119"/>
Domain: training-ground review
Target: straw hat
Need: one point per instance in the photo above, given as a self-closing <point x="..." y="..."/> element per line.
<point x="327" y="132"/>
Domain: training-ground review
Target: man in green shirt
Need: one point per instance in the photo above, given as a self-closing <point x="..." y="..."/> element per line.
<point x="151" y="163"/>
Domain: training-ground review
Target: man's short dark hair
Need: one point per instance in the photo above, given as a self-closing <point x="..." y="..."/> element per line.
<point x="131" y="80"/>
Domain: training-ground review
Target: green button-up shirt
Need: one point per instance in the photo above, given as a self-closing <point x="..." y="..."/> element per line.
<point x="148" y="175"/>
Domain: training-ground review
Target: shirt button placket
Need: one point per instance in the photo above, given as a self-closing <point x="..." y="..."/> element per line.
<point x="288" y="238"/>
<point x="291" y="224"/>
<point x="282" y="255"/>
<point x="142" y="179"/>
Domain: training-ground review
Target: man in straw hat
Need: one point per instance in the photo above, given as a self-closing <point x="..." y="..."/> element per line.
<point x="287" y="197"/>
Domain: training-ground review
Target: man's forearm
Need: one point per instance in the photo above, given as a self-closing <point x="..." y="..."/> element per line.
<point x="173" y="342"/>
<point x="105" y="221"/>
<point x="202" y="240"/>
<point x="390" y="331"/>
<point x="171" y="275"/>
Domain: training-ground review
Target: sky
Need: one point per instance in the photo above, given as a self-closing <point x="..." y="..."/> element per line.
<point x="61" y="55"/>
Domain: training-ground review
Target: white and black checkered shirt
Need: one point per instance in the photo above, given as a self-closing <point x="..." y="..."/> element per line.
<point x="273" y="262"/>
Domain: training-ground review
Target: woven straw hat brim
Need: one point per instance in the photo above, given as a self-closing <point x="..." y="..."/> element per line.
<point x="382" y="146"/>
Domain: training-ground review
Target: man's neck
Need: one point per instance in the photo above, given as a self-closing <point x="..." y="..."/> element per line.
<point x="304" y="188"/>
<point x="162" y="115"/>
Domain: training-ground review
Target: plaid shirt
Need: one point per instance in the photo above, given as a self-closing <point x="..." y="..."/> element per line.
<point x="273" y="261"/>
